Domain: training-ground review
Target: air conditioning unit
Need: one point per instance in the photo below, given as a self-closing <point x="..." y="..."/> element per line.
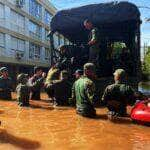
<point x="20" y="3"/>
<point x="19" y="55"/>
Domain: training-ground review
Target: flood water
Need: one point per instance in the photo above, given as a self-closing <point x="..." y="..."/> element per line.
<point x="43" y="127"/>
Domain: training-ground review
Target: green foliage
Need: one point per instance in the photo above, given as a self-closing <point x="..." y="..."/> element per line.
<point x="146" y="63"/>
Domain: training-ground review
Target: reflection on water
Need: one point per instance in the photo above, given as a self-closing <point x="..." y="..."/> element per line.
<point x="144" y="87"/>
<point x="42" y="127"/>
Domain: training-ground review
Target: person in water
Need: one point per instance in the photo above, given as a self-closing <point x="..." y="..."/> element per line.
<point x="83" y="91"/>
<point x="23" y="90"/>
<point x="118" y="95"/>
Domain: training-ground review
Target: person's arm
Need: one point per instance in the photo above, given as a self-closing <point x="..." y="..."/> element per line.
<point x="94" y="38"/>
<point x="90" y="90"/>
<point x="105" y="96"/>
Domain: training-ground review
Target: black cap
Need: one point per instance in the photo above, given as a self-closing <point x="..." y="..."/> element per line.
<point x="78" y="71"/>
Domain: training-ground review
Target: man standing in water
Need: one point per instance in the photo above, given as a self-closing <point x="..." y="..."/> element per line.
<point x="94" y="42"/>
<point x="118" y="95"/>
<point x="83" y="92"/>
<point x="5" y="84"/>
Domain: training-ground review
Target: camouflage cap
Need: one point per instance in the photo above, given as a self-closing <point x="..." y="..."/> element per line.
<point x="89" y="66"/>
<point x="120" y="72"/>
<point x="2" y="69"/>
<point x="21" y="76"/>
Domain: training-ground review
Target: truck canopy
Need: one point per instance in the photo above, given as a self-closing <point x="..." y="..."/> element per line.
<point x="114" y="20"/>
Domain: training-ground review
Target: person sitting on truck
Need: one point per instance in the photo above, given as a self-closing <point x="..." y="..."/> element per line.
<point x="94" y="41"/>
<point x="118" y="95"/>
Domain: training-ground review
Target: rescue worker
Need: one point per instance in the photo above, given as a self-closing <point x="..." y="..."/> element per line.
<point x="78" y="73"/>
<point x="36" y="82"/>
<point x="62" y="89"/>
<point x="94" y="42"/>
<point x="118" y="95"/>
<point x="5" y="84"/>
<point x="53" y="74"/>
<point x="23" y="90"/>
<point x="83" y="92"/>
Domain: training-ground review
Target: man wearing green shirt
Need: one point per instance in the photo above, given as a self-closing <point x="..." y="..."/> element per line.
<point x="94" y="42"/>
<point x="83" y="92"/>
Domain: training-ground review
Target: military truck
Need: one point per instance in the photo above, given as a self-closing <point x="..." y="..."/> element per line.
<point x="119" y="27"/>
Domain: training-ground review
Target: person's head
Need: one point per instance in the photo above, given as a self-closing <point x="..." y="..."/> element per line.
<point x="62" y="49"/>
<point x="64" y="75"/>
<point x="4" y="72"/>
<point x="38" y="71"/>
<point x="78" y="73"/>
<point x="88" y="24"/>
<point x="119" y="75"/>
<point x="90" y="70"/>
<point x="22" y="78"/>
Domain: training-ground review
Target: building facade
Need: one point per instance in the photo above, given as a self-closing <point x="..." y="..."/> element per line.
<point x="24" y="25"/>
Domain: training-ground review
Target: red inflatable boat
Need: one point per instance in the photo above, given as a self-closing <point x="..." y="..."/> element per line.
<point x="141" y="112"/>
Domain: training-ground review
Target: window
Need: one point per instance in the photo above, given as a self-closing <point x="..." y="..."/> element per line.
<point x="34" y="51"/>
<point x="17" y="22"/>
<point x="17" y="44"/>
<point x="46" y="33"/>
<point x="48" y="17"/>
<point x="2" y="16"/>
<point x="56" y="41"/>
<point x="35" y="30"/>
<point x="35" y="9"/>
<point x="2" y="40"/>
<point x="47" y="54"/>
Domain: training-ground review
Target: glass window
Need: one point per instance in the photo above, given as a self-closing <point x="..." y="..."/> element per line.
<point x="47" y="54"/>
<point x="48" y="17"/>
<point x="35" y="30"/>
<point x="35" y="9"/>
<point x="17" y="44"/>
<point x="34" y="51"/>
<point x="2" y="40"/>
<point x="2" y="16"/>
<point x="17" y="22"/>
<point x="46" y="33"/>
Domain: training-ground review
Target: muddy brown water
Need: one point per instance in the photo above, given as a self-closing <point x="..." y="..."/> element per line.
<point x="43" y="127"/>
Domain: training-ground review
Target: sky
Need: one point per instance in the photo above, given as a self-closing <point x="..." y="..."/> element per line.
<point x="145" y="13"/>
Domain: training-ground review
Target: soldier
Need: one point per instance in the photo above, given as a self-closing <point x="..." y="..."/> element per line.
<point x="94" y="42"/>
<point x="23" y="90"/>
<point x="83" y="92"/>
<point x="62" y="89"/>
<point x="5" y="84"/>
<point x="118" y="95"/>
<point x="36" y="83"/>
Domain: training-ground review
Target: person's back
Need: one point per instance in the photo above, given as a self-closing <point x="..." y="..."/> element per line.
<point x="118" y="95"/>
<point x="83" y="92"/>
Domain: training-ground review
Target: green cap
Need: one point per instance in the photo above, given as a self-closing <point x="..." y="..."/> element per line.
<point x="21" y="77"/>
<point x="89" y="66"/>
<point x="120" y="72"/>
<point x="2" y="69"/>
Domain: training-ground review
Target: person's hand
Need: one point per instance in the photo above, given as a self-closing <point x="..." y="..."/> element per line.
<point x="44" y="75"/>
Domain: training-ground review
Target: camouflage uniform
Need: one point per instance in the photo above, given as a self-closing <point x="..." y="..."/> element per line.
<point x="62" y="91"/>
<point x="36" y="83"/>
<point x="94" y="49"/>
<point x="23" y="90"/>
<point x="117" y="96"/>
<point x="5" y="86"/>
<point x="83" y="92"/>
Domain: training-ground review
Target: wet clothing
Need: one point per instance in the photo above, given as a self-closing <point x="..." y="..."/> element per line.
<point x="62" y="91"/>
<point x="5" y="88"/>
<point x="117" y="96"/>
<point x="36" y="83"/>
<point x="23" y="93"/>
<point x="53" y="74"/>
<point x="83" y="93"/>
<point x="94" y="49"/>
